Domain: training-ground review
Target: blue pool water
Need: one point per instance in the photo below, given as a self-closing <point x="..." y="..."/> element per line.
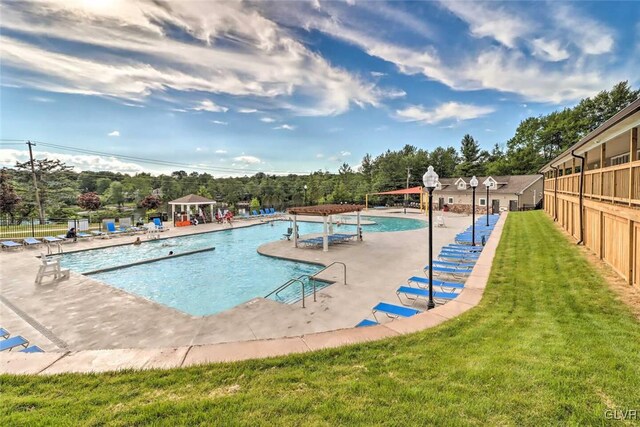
<point x="210" y="282"/>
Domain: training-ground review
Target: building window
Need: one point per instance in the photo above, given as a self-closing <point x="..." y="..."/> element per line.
<point x="483" y="202"/>
<point x="620" y="160"/>
<point x="567" y="171"/>
<point x="450" y="200"/>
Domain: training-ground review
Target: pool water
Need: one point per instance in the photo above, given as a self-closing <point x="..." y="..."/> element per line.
<point x="209" y="282"/>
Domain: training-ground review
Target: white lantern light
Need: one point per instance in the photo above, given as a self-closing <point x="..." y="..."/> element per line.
<point x="430" y="178"/>
<point x="474" y="182"/>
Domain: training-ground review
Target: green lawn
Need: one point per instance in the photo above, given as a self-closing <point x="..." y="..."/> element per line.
<point x="549" y="344"/>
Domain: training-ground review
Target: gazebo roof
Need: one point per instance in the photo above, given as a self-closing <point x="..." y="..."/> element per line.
<point x="192" y="199"/>
<point x="324" y="210"/>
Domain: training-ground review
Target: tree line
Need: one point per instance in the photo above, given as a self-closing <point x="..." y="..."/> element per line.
<point x="64" y="192"/>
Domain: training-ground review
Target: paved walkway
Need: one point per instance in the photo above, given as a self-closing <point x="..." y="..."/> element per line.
<point x="66" y="317"/>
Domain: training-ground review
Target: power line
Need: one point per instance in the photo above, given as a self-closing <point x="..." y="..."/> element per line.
<point x="156" y="162"/>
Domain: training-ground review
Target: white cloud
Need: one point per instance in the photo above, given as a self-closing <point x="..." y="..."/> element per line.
<point x="490" y="20"/>
<point x="345" y="153"/>
<point x="221" y="151"/>
<point x="378" y="74"/>
<point x="590" y="36"/>
<point x="208" y="105"/>
<point x="80" y="162"/>
<point x="319" y="156"/>
<point x="247" y="110"/>
<point x="219" y="122"/>
<point x="249" y="160"/>
<point x="114" y="133"/>
<point x="549" y="50"/>
<point x="285" y="127"/>
<point x="41" y="99"/>
<point x="271" y="65"/>
<point x="267" y="120"/>
<point x="447" y="111"/>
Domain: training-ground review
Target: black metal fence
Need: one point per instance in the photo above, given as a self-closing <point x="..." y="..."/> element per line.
<point x="16" y="230"/>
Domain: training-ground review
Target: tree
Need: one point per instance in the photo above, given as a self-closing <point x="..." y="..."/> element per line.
<point x="151" y="202"/>
<point x="89" y="201"/>
<point x="255" y="204"/>
<point x="472" y="158"/>
<point x="115" y="193"/>
<point x="53" y="182"/>
<point x="444" y="161"/>
<point x="9" y="199"/>
<point x="102" y="185"/>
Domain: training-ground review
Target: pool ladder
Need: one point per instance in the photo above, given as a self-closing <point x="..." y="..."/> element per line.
<point x="311" y="279"/>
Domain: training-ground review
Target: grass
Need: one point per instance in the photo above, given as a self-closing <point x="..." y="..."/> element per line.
<point x="548" y="344"/>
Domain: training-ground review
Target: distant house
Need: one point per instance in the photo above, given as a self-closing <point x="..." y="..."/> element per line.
<point x="593" y="191"/>
<point x="512" y="193"/>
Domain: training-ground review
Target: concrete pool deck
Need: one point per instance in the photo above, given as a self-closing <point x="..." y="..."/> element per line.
<point x="87" y="326"/>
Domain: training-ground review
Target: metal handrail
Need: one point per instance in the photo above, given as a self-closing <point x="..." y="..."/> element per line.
<point x="311" y="279"/>
<point x="327" y="267"/>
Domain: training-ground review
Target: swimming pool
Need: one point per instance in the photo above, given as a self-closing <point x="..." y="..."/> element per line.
<point x="209" y="282"/>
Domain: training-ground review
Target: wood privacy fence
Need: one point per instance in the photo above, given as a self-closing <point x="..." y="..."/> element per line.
<point x="611" y="214"/>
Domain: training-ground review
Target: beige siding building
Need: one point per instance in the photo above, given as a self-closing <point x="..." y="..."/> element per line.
<point x="506" y="193"/>
<point x="593" y="191"/>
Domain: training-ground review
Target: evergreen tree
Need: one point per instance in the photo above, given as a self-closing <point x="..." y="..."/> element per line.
<point x="472" y="161"/>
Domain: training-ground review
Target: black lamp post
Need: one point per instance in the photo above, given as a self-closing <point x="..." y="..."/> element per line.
<point x="473" y="183"/>
<point x="430" y="179"/>
<point x="304" y="201"/>
<point x="487" y="184"/>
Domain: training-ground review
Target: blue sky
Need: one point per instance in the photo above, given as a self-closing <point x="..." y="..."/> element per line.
<point x="234" y="87"/>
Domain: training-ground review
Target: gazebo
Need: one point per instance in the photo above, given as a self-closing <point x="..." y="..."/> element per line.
<point x="325" y="211"/>
<point x="412" y="190"/>
<point x="185" y="204"/>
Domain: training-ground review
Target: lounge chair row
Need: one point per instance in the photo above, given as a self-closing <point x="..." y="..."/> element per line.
<point x="455" y="261"/>
<point x="333" y="239"/>
<point x="9" y="343"/>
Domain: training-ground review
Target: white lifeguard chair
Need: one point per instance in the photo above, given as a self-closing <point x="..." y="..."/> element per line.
<point x="51" y="267"/>
<point x="153" y="232"/>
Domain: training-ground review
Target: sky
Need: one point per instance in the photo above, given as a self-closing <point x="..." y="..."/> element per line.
<point x="237" y="87"/>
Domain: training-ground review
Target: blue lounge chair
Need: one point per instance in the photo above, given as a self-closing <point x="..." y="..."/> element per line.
<point x="13" y="342"/>
<point x="32" y="349"/>
<point x="449" y="264"/>
<point x="418" y="280"/>
<point x="4" y="333"/>
<point x="30" y="241"/>
<point x="465" y="264"/>
<point x="158" y="224"/>
<point x="111" y="228"/>
<point x="9" y="244"/>
<point x="423" y="293"/>
<point x="366" y="322"/>
<point x="455" y="272"/>
<point x="393" y="311"/>
<point x="51" y="239"/>
<point x="84" y="235"/>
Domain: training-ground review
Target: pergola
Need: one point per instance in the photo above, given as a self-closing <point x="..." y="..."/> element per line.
<point x="325" y="211"/>
<point x="187" y="201"/>
<point x="412" y="190"/>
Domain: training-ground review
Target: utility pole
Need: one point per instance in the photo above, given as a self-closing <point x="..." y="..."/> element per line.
<point x="406" y="196"/>
<point x="35" y="182"/>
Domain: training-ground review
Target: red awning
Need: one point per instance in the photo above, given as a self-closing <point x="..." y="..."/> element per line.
<point x="413" y="190"/>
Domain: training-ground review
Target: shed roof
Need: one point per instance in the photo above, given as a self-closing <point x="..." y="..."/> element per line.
<point x="324" y="210"/>
<point x="192" y="199"/>
<point x="507" y="184"/>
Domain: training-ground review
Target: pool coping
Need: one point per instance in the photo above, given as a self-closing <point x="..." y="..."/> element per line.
<point x="96" y="361"/>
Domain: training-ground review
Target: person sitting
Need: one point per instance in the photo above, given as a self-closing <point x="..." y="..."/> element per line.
<point x="71" y="234"/>
<point x="137" y="241"/>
